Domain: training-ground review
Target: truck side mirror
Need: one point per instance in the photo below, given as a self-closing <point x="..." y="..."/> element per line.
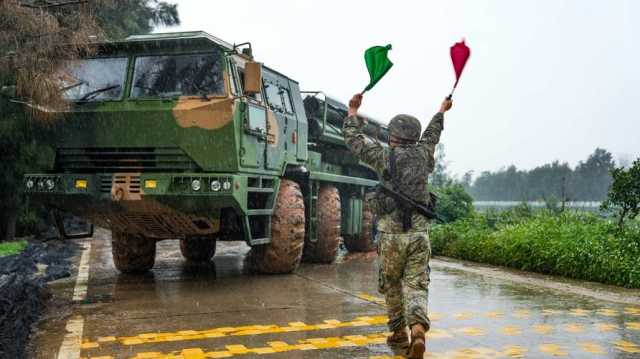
<point x="8" y="91"/>
<point x="252" y="77"/>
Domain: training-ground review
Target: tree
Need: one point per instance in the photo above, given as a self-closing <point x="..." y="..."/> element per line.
<point x="554" y="181"/>
<point x="624" y="194"/>
<point x="120" y="19"/>
<point x="591" y="178"/>
<point x="36" y="38"/>
<point x="453" y="202"/>
<point x="439" y="176"/>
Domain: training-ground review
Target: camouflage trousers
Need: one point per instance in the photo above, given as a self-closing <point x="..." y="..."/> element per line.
<point x="404" y="277"/>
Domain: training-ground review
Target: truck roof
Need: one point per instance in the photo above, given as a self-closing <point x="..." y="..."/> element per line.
<point x="185" y="36"/>
<point x="189" y="38"/>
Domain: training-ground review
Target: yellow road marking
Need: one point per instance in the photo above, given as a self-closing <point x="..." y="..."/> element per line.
<point x="578" y="312"/>
<point x="522" y="313"/>
<point x="632" y="310"/>
<point x="463" y="316"/>
<point x="185" y="335"/>
<point x="515" y="351"/>
<point x="627" y="347"/>
<point x="273" y="347"/>
<point x="608" y="312"/>
<point x="511" y="330"/>
<point x="553" y="349"/>
<point x="574" y="328"/>
<point x="370" y="298"/>
<point x="543" y="329"/>
<point x="471" y="331"/>
<point x="549" y="312"/>
<point x="632" y="325"/>
<point x="606" y="327"/>
<point x="493" y="315"/>
<point x="592" y="348"/>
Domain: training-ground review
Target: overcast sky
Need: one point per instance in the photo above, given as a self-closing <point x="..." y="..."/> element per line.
<point x="546" y="80"/>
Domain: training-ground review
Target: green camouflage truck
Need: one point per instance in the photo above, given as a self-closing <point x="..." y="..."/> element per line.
<point x="184" y="136"/>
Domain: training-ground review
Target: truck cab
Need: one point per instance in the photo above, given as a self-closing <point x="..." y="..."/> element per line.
<point x="185" y="136"/>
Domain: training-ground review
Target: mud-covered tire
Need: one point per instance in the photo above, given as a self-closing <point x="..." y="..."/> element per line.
<point x="132" y="253"/>
<point x="198" y="248"/>
<point x="363" y="242"/>
<point x="283" y="253"/>
<point x="328" y="215"/>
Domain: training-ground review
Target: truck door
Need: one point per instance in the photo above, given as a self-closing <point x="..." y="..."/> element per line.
<point x="279" y="120"/>
<point x="254" y="135"/>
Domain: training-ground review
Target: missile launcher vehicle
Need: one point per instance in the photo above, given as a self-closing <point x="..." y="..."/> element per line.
<point x="185" y="136"/>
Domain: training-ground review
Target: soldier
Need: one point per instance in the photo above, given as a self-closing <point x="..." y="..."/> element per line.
<point x="403" y="247"/>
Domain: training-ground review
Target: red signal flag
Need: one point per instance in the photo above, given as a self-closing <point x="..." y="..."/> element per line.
<point x="459" y="55"/>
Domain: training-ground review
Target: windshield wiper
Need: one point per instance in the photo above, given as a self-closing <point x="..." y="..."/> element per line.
<point x="90" y="95"/>
<point x="79" y="83"/>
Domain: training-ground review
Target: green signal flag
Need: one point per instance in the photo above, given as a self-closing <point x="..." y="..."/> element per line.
<point x="378" y="64"/>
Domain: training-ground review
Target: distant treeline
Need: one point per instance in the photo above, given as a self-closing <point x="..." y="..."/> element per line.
<point x="588" y="181"/>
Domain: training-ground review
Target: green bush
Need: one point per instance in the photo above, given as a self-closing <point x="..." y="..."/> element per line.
<point x="453" y="202"/>
<point x="571" y="244"/>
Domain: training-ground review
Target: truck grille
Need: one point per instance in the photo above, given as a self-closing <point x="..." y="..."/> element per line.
<point x="123" y="159"/>
<point x="128" y="181"/>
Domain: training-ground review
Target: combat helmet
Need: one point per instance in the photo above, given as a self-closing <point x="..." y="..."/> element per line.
<point x="405" y="127"/>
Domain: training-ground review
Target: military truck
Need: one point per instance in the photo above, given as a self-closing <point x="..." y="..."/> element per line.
<point x="185" y="136"/>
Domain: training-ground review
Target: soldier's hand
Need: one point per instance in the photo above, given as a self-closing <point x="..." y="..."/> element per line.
<point x="446" y="105"/>
<point x="354" y="104"/>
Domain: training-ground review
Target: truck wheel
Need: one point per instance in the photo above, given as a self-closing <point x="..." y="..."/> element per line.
<point x="198" y="248"/>
<point x="364" y="241"/>
<point x="132" y="253"/>
<point x="283" y="253"/>
<point x="325" y="249"/>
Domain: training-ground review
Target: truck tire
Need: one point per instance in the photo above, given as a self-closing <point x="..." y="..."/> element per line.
<point x="364" y="241"/>
<point x="132" y="253"/>
<point x="325" y="248"/>
<point x="283" y="253"/>
<point x="198" y="248"/>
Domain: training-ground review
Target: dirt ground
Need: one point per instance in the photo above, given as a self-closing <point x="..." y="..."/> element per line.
<point x="322" y="311"/>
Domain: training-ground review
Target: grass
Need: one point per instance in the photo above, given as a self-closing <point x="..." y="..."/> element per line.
<point x="571" y="244"/>
<point x="10" y="248"/>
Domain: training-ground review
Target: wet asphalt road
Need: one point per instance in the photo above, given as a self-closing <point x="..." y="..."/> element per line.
<point x="323" y="311"/>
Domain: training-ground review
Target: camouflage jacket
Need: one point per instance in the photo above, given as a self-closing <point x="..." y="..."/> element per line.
<point x="414" y="171"/>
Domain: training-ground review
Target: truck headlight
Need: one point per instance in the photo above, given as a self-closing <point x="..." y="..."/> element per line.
<point x="29" y="184"/>
<point x="215" y="185"/>
<point x="226" y="185"/>
<point x="195" y="185"/>
<point x="50" y="184"/>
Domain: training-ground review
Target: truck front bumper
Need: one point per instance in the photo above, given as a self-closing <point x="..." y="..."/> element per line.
<point x="158" y="205"/>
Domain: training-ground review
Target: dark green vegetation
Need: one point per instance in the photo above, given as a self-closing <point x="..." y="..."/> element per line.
<point x="624" y="194"/>
<point x="571" y="244"/>
<point x="10" y="248"/>
<point x="579" y="245"/>
<point x="32" y="39"/>
<point x="453" y="202"/>
<point x="588" y="181"/>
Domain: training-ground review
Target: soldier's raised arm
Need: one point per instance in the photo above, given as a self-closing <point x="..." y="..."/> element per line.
<point x="431" y="135"/>
<point x="372" y="153"/>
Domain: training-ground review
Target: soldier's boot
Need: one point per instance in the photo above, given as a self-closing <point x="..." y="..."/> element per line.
<point x="417" y="347"/>
<point x="398" y="339"/>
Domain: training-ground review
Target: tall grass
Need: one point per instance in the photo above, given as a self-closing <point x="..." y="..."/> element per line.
<point x="571" y="244"/>
<point x="9" y="248"/>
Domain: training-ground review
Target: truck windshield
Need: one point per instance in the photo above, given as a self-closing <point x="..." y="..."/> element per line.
<point x="179" y="75"/>
<point x="93" y="79"/>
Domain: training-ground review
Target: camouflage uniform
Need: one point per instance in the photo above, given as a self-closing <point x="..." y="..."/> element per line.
<point x="403" y="256"/>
